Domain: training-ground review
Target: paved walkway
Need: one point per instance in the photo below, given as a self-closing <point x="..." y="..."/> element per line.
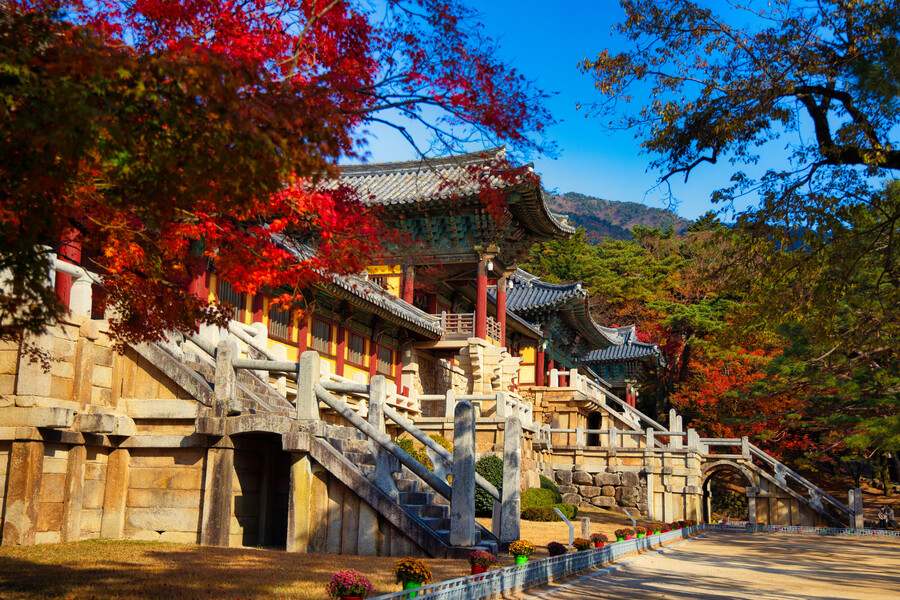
<point x="724" y="565"/>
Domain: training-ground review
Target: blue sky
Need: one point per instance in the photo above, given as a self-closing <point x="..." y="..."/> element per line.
<point x="546" y="41"/>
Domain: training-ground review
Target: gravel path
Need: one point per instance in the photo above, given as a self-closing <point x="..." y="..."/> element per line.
<point x="724" y="565"/>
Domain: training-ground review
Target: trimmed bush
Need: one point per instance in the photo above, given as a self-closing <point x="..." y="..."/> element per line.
<point x="539" y="513"/>
<point x="537" y="497"/>
<point x="547" y="484"/>
<point x="570" y="510"/>
<point x="490" y="467"/>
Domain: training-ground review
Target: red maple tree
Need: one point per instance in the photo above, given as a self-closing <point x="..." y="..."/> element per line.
<point x="158" y="135"/>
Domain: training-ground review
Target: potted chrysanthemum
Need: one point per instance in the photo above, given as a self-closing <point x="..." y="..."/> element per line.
<point x="598" y="539"/>
<point x="581" y="544"/>
<point x="623" y="534"/>
<point x="556" y="549"/>
<point x="481" y="561"/>
<point x="411" y="573"/>
<point x="521" y="550"/>
<point x="348" y="585"/>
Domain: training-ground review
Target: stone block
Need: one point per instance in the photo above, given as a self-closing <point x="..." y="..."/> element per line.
<point x="142" y="535"/>
<point x="627" y="496"/>
<point x="163" y="498"/>
<point x="91" y="520"/>
<point x="7" y="383"/>
<point x="93" y="494"/>
<point x="563" y="476"/>
<point x="53" y="487"/>
<point x="590" y="491"/>
<point x="571" y="499"/>
<point x="61" y="388"/>
<point x="102" y="376"/>
<point x="163" y="519"/>
<point x="603" y="501"/>
<point x="567" y="489"/>
<point x="165" y="478"/>
<point x="630" y="479"/>
<point x="49" y="517"/>
<point x="47" y="537"/>
<point x="178" y="537"/>
<point x="608" y="490"/>
<point x="602" y="479"/>
<point x="582" y="478"/>
<point x="65" y="370"/>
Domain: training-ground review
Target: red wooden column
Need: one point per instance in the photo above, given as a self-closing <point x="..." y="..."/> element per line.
<point x="302" y="332"/>
<point x="199" y="285"/>
<point x="481" y="301"/>
<point x="373" y="357"/>
<point x="539" y="366"/>
<point x="341" y="350"/>
<point x="409" y="283"/>
<point x="501" y="308"/>
<point x="257" y="304"/>
<point x="69" y="251"/>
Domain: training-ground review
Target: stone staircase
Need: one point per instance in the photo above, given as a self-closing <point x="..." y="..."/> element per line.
<point x="426" y="507"/>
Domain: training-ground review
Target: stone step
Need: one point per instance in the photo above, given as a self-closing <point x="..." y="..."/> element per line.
<point x="416" y="497"/>
<point x="359" y="458"/>
<point x="445" y="535"/>
<point x="429" y="511"/>
<point x="437" y="524"/>
<point x="407" y="485"/>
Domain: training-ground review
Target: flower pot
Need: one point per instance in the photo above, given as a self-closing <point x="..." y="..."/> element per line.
<point x="351" y="597"/>
<point x="478" y="569"/>
<point x="620" y="539"/>
<point x="627" y="537"/>
<point x="656" y="533"/>
<point x="598" y="544"/>
<point x="411" y="585"/>
<point x="640" y="535"/>
<point x="521" y="560"/>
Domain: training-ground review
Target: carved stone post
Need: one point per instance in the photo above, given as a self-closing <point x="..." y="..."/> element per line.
<point x="510" y="495"/>
<point x="307" y="377"/>
<point x="462" y="500"/>
<point x="226" y="381"/>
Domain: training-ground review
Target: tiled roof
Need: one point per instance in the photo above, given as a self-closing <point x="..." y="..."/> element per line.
<point x="439" y="179"/>
<point x="626" y="351"/>
<point x="361" y="288"/>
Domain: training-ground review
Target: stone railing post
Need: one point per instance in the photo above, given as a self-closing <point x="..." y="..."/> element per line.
<point x="650" y="440"/>
<point x="693" y="440"/>
<point x="585" y="527"/>
<point x="613" y="437"/>
<point x="678" y="440"/>
<point x="502" y="409"/>
<point x="579" y="436"/>
<point x="307" y="376"/>
<point x="280" y="353"/>
<point x="226" y="382"/>
<point x="554" y="378"/>
<point x="856" y="508"/>
<point x="385" y="463"/>
<point x="575" y="380"/>
<point x="462" y="498"/>
<point x="510" y="494"/>
<point x="450" y="405"/>
<point x="745" y="447"/>
<point x="80" y="297"/>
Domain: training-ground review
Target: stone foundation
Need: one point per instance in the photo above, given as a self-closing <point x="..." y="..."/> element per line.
<point x="626" y="489"/>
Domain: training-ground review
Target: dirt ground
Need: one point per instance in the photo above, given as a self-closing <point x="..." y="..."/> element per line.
<point x="722" y="565"/>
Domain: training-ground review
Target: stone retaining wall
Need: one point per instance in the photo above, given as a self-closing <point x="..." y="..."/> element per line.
<point x="604" y="490"/>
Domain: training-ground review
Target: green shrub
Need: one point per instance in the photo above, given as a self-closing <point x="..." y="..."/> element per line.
<point x="537" y="497"/>
<point x="547" y="484"/>
<point x="539" y="513"/>
<point x="408" y="446"/>
<point x="490" y="467"/>
<point x="570" y="510"/>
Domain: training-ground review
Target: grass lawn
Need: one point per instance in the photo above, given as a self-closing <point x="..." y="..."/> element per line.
<point x="98" y="569"/>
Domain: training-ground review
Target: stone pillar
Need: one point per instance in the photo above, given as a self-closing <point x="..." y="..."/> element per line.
<point x="613" y="437"/>
<point x="449" y="404"/>
<point x="481" y="301"/>
<point x="510" y="495"/>
<point x="299" y="498"/>
<point x="751" y="505"/>
<point x="554" y="378"/>
<point x="462" y="501"/>
<point x="112" y="525"/>
<point x="215" y="526"/>
<point x="585" y="527"/>
<point x="80" y="297"/>
<point x="651" y="491"/>
<point x="307" y="377"/>
<point x="226" y="381"/>
<point x="856" y="508"/>
<point x="501" y="308"/>
<point x="26" y="465"/>
<point x="385" y="463"/>
<point x="71" y="519"/>
<point x="502" y="410"/>
<point x="579" y="436"/>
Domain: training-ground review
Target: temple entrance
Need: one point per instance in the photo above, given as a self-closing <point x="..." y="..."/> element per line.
<point x="725" y="493"/>
<point x="261" y="486"/>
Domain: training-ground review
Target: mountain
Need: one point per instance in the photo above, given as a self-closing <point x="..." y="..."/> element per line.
<point x="610" y="218"/>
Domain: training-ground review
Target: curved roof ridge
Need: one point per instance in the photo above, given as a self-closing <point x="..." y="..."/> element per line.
<point x="422" y="164"/>
<point x="530" y="279"/>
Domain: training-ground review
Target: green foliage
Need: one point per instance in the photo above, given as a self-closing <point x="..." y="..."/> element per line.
<point x="490" y="467"/>
<point x="539" y="513"/>
<point x="547" y="484"/>
<point x="537" y="497"/>
<point x="569" y="510"/>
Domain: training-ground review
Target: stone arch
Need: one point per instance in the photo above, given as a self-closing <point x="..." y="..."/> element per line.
<point x="710" y="468"/>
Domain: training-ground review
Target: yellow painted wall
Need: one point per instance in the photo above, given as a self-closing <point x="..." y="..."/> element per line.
<point x="528" y="354"/>
<point x="526" y="374"/>
<point x="392" y="274"/>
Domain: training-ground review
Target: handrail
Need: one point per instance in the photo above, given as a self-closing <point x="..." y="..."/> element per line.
<point x="754" y="450"/>
<point x="417" y="433"/>
<point x="242" y="334"/>
<point x="436" y="483"/>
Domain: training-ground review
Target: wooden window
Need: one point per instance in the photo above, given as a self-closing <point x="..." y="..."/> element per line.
<point x="228" y="295"/>
<point x="385" y="361"/>
<point x="321" y="336"/>
<point x="280" y="323"/>
<point x="356" y="349"/>
<point x="379" y="281"/>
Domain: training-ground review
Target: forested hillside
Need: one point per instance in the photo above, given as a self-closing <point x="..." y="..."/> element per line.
<point x="612" y="219"/>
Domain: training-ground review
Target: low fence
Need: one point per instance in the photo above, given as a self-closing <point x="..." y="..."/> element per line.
<point x="535" y="572"/>
<point x="804" y="529"/>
